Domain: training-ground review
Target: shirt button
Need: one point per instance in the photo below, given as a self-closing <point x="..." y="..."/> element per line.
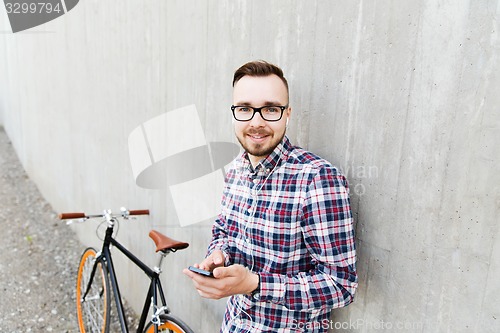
<point x="250" y="210"/>
<point x="237" y="321"/>
<point x="255" y="181"/>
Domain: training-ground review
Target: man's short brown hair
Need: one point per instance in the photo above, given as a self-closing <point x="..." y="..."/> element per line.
<point x="259" y="68"/>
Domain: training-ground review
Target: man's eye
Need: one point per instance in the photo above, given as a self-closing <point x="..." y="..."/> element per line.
<point x="272" y="110"/>
<point x="244" y="109"/>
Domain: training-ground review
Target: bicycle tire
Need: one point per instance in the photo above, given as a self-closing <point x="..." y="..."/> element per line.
<point x="93" y="313"/>
<point x="170" y="324"/>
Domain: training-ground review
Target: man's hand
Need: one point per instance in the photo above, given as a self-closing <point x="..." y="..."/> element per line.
<point x="227" y="281"/>
<point x="215" y="259"/>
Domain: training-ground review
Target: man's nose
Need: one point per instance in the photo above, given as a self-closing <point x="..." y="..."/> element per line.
<point x="257" y="120"/>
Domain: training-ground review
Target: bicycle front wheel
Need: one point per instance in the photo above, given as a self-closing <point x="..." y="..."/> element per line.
<point x="170" y="324"/>
<point x="93" y="311"/>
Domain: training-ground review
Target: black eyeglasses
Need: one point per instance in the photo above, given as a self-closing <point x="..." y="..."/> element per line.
<point x="268" y="113"/>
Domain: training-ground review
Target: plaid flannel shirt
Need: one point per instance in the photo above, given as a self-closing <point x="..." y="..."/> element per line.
<point x="290" y="221"/>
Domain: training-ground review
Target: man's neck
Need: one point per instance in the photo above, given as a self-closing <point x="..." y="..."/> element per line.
<point x="255" y="160"/>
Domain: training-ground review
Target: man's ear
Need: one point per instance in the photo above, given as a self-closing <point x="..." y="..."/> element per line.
<point x="289" y="111"/>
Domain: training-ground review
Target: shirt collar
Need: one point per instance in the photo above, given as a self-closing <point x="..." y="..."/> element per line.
<point x="270" y="162"/>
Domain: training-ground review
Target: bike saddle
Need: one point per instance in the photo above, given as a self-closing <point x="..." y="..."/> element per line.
<point x="164" y="243"/>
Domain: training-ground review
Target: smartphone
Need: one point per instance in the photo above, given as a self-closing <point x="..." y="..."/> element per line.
<point x="200" y="271"/>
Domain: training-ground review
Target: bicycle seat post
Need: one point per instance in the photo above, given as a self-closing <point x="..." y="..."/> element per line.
<point x="163" y="254"/>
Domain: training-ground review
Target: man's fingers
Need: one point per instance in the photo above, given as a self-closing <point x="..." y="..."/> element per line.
<point x="207" y="287"/>
<point x="219" y="258"/>
<point x="208" y="295"/>
<point x="215" y="259"/>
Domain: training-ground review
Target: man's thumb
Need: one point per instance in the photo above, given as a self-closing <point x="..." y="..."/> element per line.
<point x="219" y="272"/>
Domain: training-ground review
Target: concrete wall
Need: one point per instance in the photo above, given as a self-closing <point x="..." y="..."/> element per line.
<point x="403" y="95"/>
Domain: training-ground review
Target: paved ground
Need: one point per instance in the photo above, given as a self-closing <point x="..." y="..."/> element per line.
<point x="38" y="256"/>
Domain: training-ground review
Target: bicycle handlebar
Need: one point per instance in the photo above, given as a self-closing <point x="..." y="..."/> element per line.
<point x="69" y="216"/>
<point x="139" y="212"/>
<point x="66" y="216"/>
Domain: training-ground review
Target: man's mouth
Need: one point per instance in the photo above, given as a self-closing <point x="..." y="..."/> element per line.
<point x="258" y="136"/>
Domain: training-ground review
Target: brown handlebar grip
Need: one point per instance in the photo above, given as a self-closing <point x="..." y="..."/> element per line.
<point x="139" y="212"/>
<point x="66" y="216"/>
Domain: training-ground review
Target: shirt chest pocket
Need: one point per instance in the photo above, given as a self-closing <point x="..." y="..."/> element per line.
<point x="278" y="232"/>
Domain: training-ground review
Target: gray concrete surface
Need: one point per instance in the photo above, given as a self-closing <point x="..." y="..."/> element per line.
<point x="403" y="95"/>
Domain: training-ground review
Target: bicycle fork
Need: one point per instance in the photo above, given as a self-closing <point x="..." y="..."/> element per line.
<point x="105" y="260"/>
<point x="97" y="259"/>
<point x="116" y="291"/>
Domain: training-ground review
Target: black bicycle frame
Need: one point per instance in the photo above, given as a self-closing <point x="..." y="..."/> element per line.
<point x="155" y="287"/>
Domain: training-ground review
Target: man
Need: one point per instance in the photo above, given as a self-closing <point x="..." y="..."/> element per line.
<point x="283" y="245"/>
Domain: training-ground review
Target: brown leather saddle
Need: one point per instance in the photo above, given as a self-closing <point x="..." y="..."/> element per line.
<point x="166" y="244"/>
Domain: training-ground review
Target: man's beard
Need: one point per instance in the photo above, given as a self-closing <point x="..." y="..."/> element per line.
<point x="259" y="150"/>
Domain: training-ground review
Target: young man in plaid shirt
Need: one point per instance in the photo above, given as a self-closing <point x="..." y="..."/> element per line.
<point x="283" y="245"/>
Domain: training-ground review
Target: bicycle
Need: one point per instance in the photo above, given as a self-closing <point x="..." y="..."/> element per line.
<point x="96" y="275"/>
